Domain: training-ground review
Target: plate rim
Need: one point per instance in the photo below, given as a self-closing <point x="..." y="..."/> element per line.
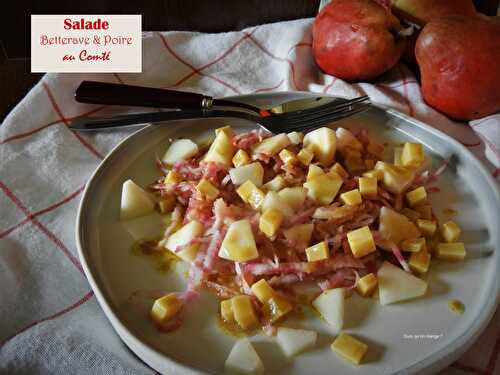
<point x="433" y="363"/>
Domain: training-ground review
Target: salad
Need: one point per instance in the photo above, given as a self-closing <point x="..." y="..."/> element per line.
<point x="269" y="223"/>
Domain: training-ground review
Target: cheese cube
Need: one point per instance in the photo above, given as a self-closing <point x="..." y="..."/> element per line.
<point x="314" y="171"/>
<point x="412" y="155"/>
<point x="419" y="262"/>
<point x="337" y="167"/>
<point x="166" y="204"/>
<point x="397" y="155"/>
<point x="227" y="130"/>
<point x="296" y="137"/>
<point x="287" y="156"/>
<point x="450" y="251"/>
<point x="367" y="284"/>
<point x="244" y="313"/>
<point x="413" y="245"/>
<point x="349" y="348"/>
<point x="251" y="194"/>
<point x="172" y="177"/>
<point x="374" y="173"/>
<point x="395" y="178"/>
<point x="351" y="198"/>
<point x="368" y="186"/>
<point x="262" y="290"/>
<point x="416" y="197"/>
<point x="276" y="308"/>
<point x="241" y="158"/>
<point x="270" y="221"/>
<point x="165" y="308"/>
<point x="226" y="310"/>
<point x="324" y="187"/>
<point x="425" y="211"/>
<point x="276" y="184"/>
<point x="305" y="156"/>
<point x="207" y="189"/>
<point x="361" y="242"/>
<point x="427" y="227"/>
<point x="317" y="252"/>
<point x="450" y="231"/>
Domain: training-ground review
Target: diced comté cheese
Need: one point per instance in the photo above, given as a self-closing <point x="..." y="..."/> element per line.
<point x="317" y="252"/>
<point x="374" y="173"/>
<point x="413" y="245"/>
<point x="351" y="198"/>
<point x="305" y="156"/>
<point x="323" y="188"/>
<point x="337" y="167"/>
<point x="172" y="177"/>
<point x="287" y="156"/>
<point x="244" y="313"/>
<point x="270" y="221"/>
<point x="368" y="186"/>
<point x="419" y="262"/>
<point x="349" y="348"/>
<point x="276" y="308"/>
<point x="450" y="231"/>
<point x="450" y="251"/>
<point x="165" y="308"/>
<point x="416" y="197"/>
<point x="251" y="194"/>
<point x="262" y="290"/>
<point x="226" y="310"/>
<point x="412" y="155"/>
<point x="367" y="284"/>
<point x="207" y="189"/>
<point x="361" y="242"/>
<point x="241" y="158"/>
<point x="427" y="227"/>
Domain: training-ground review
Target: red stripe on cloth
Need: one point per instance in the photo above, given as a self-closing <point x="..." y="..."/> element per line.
<point x="300" y="44"/>
<point x="36" y="130"/>
<point x="223" y="55"/>
<point x="470" y="369"/>
<point x="269" y="88"/>
<point x="78" y="303"/>
<point x="274" y="57"/>
<point x="41" y="212"/>
<point x="194" y="70"/>
<point x="51" y="236"/>
<point x="405" y="90"/>
<point x="328" y="87"/>
<point x="66" y="122"/>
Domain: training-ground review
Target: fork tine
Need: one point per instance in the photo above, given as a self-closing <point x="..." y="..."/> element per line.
<point x="325" y="108"/>
<point x="318" y="122"/>
<point x="301" y="121"/>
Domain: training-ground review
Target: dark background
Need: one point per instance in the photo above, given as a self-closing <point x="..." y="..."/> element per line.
<point x="196" y="15"/>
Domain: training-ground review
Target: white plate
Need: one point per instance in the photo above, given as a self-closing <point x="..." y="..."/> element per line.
<point x="420" y="336"/>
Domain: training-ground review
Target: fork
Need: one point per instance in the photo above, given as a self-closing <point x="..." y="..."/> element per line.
<point x="298" y="120"/>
